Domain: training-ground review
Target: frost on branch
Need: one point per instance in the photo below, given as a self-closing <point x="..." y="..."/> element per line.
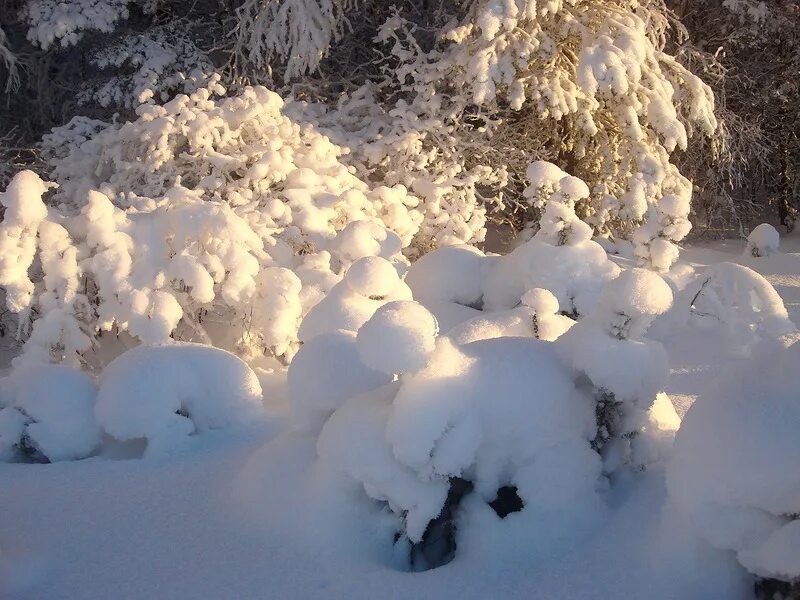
<point x="153" y="65"/>
<point x="299" y="32"/>
<point x="51" y="21"/>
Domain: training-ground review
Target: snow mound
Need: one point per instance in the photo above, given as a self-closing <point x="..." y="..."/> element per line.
<point x="167" y="393"/>
<point x="738" y="302"/>
<point x="326" y="372"/>
<point x="48" y="413"/>
<point x="369" y="283"/>
<point x="398" y="338"/>
<point x="763" y="241"/>
<point x="451" y="274"/>
<point x="734" y="469"/>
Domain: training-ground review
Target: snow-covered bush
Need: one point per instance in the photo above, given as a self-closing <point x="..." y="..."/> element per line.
<point x="737" y="302"/>
<point x="166" y="393"/>
<point x="500" y="415"/>
<point x="734" y="469"/>
<point x="537" y="317"/>
<point x="561" y="257"/>
<point x="621" y="369"/>
<point x="47" y="414"/>
<point x="763" y="241"/>
<point x="202" y="212"/>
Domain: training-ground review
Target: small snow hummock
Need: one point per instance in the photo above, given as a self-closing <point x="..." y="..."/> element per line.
<point x="166" y="393"/>
<point x="398" y="338"/>
<point x="47" y="413"/>
<point x="763" y="241"/>
<point x="324" y="374"/>
<point x="735" y="462"/>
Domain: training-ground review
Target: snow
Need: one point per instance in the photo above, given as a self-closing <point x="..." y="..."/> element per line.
<point x="317" y="381"/>
<point x="763" y="241"/>
<point x="398" y="338"/>
<point x="51" y="409"/>
<point x="325" y="507"/>
<point x="735" y="456"/>
<point x="167" y="393"/>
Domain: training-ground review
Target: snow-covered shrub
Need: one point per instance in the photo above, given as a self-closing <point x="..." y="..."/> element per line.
<point x="537" y="317"/>
<point x="47" y="413"/>
<point x="325" y="373"/>
<point x="166" y="393"/>
<point x="501" y="416"/>
<point x="201" y="212"/>
<point x="763" y="241"/>
<point x="736" y="301"/>
<point x="369" y="283"/>
<point x="561" y="257"/>
<point x="734" y="468"/>
<point x="616" y="365"/>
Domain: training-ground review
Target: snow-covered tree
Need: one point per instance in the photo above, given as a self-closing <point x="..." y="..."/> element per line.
<point x="215" y="220"/>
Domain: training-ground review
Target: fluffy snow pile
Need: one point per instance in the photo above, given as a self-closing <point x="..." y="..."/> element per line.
<point x="763" y="241"/>
<point x="735" y="462"/>
<point x="47" y="413"/>
<point x="399" y="338"/>
<point x="167" y="393"/>
<point x="369" y="283"/>
<point x="326" y="372"/>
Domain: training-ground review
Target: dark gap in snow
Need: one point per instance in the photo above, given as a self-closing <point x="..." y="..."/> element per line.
<point x="28" y="453"/>
<point x="438" y="544"/>
<point x="507" y="501"/>
<point x="477" y="305"/>
<point x="775" y="589"/>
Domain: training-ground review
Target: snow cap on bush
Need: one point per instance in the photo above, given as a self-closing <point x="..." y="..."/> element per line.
<point x="398" y="338"/>
<point x="369" y="283"/>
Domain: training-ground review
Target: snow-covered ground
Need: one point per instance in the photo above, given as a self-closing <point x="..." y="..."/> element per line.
<point x="252" y="514"/>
